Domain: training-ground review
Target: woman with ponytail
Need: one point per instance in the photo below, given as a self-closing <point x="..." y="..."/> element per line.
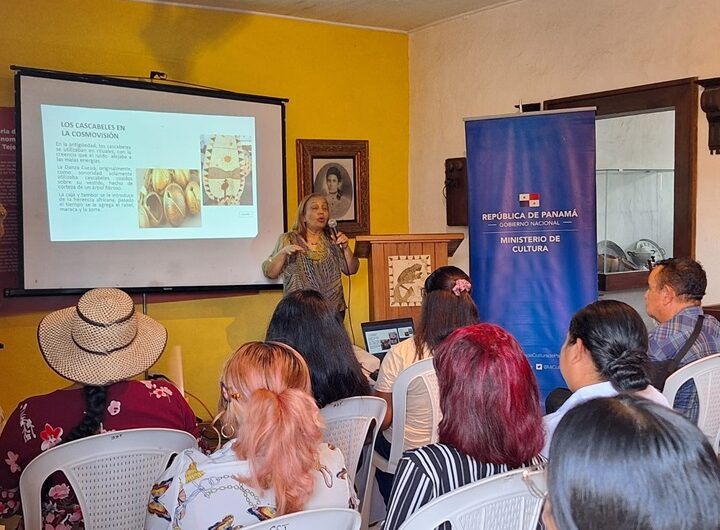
<point x="100" y="345"/>
<point x="447" y="305"/>
<point x="274" y="464"/>
<point x="603" y="356"/>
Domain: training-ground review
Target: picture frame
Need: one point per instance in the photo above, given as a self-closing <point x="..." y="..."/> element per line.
<point x="337" y="169"/>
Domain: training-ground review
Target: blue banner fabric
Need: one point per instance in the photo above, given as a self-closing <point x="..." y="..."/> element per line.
<point x="532" y="227"/>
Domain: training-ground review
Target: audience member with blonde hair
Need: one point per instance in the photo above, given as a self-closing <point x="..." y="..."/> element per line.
<point x="274" y="464"/>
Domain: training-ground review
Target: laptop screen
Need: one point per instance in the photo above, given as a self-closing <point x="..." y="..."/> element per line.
<point x="382" y="334"/>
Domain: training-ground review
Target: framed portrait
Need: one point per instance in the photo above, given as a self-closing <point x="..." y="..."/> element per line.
<point x="337" y="169"/>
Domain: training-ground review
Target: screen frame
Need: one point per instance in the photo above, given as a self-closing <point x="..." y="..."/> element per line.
<point x="380" y="325"/>
<point x="152" y="84"/>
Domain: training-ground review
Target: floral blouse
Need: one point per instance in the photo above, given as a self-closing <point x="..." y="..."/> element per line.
<point x="42" y="422"/>
<point x="199" y="491"/>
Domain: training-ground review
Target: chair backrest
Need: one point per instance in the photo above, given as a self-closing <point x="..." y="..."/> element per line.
<point x="706" y="374"/>
<point x="509" y="501"/>
<point x="110" y="473"/>
<point x="325" y="518"/>
<point x="346" y="426"/>
<point x="426" y="371"/>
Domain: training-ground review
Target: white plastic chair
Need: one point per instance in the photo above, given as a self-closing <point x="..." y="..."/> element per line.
<point x="321" y="519"/>
<point x="706" y="374"/>
<point x="346" y="426"/>
<point x="509" y="501"/>
<point x="426" y="371"/>
<point x="110" y="473"/>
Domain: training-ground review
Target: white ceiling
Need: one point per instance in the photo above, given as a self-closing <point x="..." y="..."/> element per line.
<point x="398" y="15"/>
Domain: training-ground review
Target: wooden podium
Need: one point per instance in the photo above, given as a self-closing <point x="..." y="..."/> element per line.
<point x="418" y="254"/>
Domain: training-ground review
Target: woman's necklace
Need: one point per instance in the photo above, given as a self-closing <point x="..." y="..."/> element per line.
<point x="316" y="246"/>
<point x="312" y="239"/>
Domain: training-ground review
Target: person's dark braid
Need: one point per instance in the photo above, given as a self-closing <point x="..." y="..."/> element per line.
<point x="95" y="404"/>
<point x="626" y="371"/>
<point x="616" y="337"/>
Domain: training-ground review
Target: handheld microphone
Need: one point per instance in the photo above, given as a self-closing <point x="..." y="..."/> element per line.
<point x="332" y="225"/>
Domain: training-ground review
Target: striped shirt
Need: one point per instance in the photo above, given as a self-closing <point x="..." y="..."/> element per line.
<point x="425" y="473"/>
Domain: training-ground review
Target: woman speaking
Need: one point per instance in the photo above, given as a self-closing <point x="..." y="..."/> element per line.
<point x="311" y="255"/>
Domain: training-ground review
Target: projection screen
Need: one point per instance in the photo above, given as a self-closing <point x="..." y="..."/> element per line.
<point x="146" y="186"/>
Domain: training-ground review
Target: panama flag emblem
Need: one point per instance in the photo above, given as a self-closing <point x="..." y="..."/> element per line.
<point x="529" y="200"/>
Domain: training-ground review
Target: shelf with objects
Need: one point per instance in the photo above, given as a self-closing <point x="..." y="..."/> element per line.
<point x="634" y="224"/>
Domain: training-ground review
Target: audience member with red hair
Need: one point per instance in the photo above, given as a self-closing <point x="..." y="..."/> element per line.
<point x="491" y="420"/>
<point x="274" y="465"/>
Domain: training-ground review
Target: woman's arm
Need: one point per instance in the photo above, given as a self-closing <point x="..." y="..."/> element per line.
<point x="186" y="419"/>
<point x="351" y="262"/>
<point x="273" y="266"/>
<point x="387" y="420"/>
<point x="391" y="366"/>
<point x="164" y="495"/>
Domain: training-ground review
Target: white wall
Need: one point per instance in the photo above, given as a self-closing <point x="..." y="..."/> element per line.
<point x="533" y="50"/>
<point x="640" y="141"/>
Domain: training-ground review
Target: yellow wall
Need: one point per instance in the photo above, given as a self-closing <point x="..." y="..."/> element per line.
<point x="343" y="83"/>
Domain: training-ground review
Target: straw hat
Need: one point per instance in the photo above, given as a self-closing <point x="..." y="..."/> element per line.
<point x="101" y="340"/>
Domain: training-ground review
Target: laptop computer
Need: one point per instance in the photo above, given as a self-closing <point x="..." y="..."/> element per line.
<point x="380" y="335"/>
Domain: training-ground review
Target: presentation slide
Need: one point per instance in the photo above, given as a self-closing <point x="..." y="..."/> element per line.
<point x="146" y="186"/>
<point x="133" y="175"/>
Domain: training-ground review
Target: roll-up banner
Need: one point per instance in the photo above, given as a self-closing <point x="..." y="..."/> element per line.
<point x="532" y="227"/>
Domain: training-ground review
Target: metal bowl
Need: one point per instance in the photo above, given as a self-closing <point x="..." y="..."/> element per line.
<point x="611" y="249"/>
<point x="640" y="257"/>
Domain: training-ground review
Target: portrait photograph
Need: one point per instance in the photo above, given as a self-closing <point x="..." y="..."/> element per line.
<point x="335" y="178"/>
<point x="337" y="170"/>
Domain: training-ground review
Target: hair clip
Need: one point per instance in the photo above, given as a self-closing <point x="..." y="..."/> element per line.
<point x="460" y="286"/>
<point x="226" y="391"/>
